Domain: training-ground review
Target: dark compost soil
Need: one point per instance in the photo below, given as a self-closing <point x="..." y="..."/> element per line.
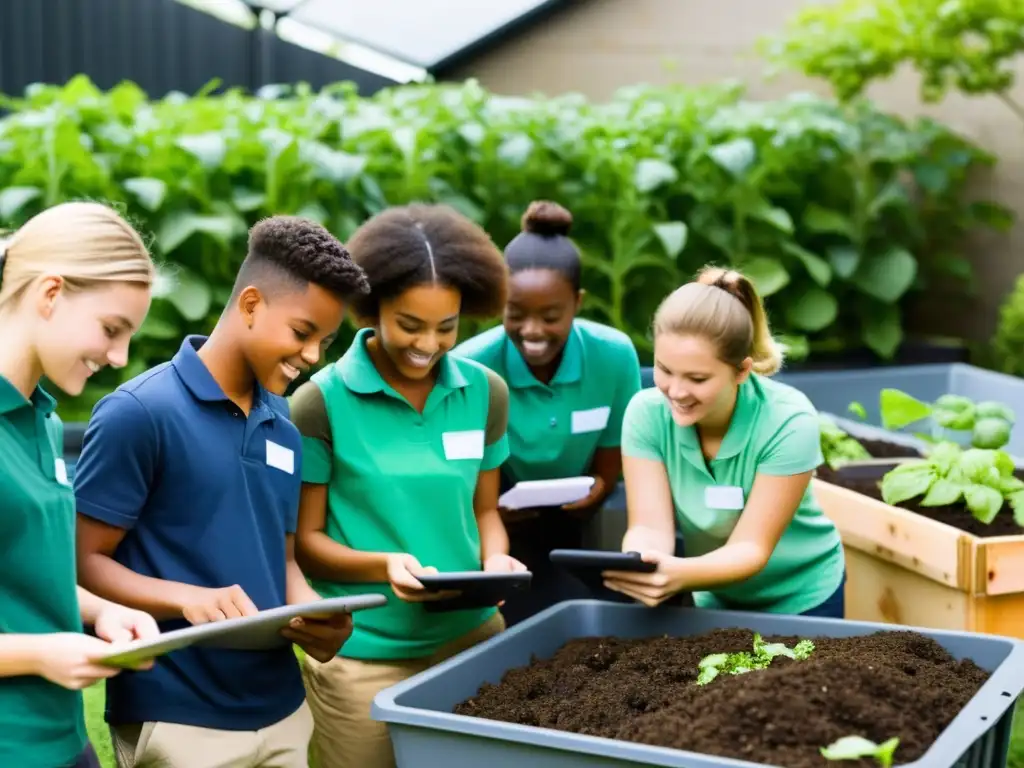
<point x="956" y="515"/>
<point x="879" y="686"/>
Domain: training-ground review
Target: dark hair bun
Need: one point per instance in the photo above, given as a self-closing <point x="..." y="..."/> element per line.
<point x="546" y="218"/>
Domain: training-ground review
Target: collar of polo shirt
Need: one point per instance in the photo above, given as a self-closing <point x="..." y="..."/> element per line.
<point x="741" y="427"/>
<point x="12" y="400"/>
<point x="361" y="375"/>
<point x="200" y="382"/>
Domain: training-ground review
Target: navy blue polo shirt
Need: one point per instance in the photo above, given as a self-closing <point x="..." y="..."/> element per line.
<point x="207" y="497"/>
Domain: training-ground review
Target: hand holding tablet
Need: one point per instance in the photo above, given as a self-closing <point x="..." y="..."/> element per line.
<point x="262" y="631"/>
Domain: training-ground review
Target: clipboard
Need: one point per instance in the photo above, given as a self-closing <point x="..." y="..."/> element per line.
<point x="249" y="633"/>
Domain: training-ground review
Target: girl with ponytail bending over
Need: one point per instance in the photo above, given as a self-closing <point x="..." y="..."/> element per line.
<point x="726" y="454"/>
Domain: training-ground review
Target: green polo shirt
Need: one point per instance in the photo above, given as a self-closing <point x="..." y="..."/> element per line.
<point x="41" y="724"/>
<point x="554" y="429"/>
<point x="774" y="431"/>
<point x="402" y="481"/>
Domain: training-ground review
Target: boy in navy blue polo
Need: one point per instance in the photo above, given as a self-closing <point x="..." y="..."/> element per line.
<point x="188" y="491"/>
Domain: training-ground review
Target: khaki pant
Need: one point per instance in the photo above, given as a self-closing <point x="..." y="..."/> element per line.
<point x="169" y="745"/>
<point x="340" y="694"/>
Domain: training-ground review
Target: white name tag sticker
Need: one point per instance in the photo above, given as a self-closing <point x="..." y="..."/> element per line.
<point x="723" y="497"/>
<point x="468" y="444"/>
<point x="62" y="471"/>
<point x="280" y="457"/>
<point x="590" y="420"/>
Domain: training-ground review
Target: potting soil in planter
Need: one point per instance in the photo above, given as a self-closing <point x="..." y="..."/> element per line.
<point x="877" y="686"/>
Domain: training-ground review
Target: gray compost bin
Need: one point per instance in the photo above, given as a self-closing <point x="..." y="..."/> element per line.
<point x="426" y="734"/>
<point x="832" y="391"/>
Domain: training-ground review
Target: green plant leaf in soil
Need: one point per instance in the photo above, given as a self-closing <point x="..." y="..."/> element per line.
<point x="989" y="423"/>
<point x="815" y="198"/>
<point x="857" y="747"/>
<point x="837" y="446"/>
<point x="982" y="479"/>
<point x="715" y="664"/>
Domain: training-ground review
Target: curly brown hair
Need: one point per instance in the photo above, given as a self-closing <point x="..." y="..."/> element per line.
<point x="290" y="251"/>
<point x="418" y="244"/>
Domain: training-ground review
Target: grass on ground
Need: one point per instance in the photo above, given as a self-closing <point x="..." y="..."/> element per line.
<point x="100" y="736"/>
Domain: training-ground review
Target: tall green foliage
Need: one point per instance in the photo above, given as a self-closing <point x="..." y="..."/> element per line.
<point x="836" y="213"/>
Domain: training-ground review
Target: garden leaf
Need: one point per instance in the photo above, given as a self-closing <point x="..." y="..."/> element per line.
<point x="768" y="275"/>
<point x="983" y="501"/>
<point x="816" y="267"/>
<point x="736" y="156"/>
<point x="900" y="409"/>
<point x="812" y="310"/>
<point x="149" y="192"/>
<point x="673" y="236"/>
<point x="13" y="199"/>
<point x="651" y="174"/>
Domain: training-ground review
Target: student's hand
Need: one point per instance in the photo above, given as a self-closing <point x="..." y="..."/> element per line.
<point x="206" y="605"/>
<point x="69" y="659"/>
<point x="651" y="589"/>
<point x="513" y="516"/>
<point x="585" y="508"/>
<point x="500" y="563"/>
<point x="320" y="638"/>
<point x="402" y="572"/>
<point x="120" y="624"/>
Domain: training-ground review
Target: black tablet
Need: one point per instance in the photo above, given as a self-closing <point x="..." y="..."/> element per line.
<point x="596" y="559"/>
<point x="477" y="589"/>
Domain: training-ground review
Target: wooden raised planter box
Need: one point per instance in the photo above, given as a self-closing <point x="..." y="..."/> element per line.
<point x="904" y="568"/>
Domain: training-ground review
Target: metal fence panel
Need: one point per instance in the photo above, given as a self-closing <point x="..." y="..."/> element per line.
<point x="161" y="45"/>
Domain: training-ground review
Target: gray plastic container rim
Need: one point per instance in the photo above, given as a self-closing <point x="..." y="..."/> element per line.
<point x="996" y="696"/>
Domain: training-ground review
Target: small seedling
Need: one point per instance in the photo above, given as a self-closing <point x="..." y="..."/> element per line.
<point x="982" y="478"/>
<point x="856" y="747"/>
<point x="740" y="662"/>
<point x="838" y="447"/>
<point x="988" y="422"/>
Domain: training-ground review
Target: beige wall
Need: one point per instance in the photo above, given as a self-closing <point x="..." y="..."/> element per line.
<point x="600" y="45"/>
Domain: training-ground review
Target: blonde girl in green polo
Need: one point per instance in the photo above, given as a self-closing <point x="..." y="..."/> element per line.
<point x="723" y="453"/>
<point x="74" y="286"/>
<point x="401" y="448"/>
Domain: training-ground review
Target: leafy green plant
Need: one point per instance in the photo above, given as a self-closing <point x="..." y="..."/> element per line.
<point x="837" y="446"/>
<point x="857" y="747"/>
<point x="1007" y="351"/>
<point x="968" y="45"/>
<point x="738" y="663"/>
<point x="981" y="478"/>
<point x="815" y="201"/>
<point x="988" y="422"/>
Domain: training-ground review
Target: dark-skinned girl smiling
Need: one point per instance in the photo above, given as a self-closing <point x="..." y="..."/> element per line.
<point x="570" y="380"/>
<point x="401" y="448"/>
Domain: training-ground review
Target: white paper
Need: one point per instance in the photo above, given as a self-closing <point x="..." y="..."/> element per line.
<point x="62" y="471"/>
<point x="590" y="420"/>
<point x="723" y="497"/>
<point x="546" y="493"/>
<point x="280" y="457"/>
<point x="463" y="445"/>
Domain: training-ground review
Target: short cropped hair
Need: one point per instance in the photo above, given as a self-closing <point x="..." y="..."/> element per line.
<point x="291" y="252"/>
<point x="419" y="244"/>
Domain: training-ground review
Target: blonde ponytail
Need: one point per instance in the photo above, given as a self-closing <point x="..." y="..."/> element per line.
<point x="85" y="243"/>
<point x="724" y="307"/>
